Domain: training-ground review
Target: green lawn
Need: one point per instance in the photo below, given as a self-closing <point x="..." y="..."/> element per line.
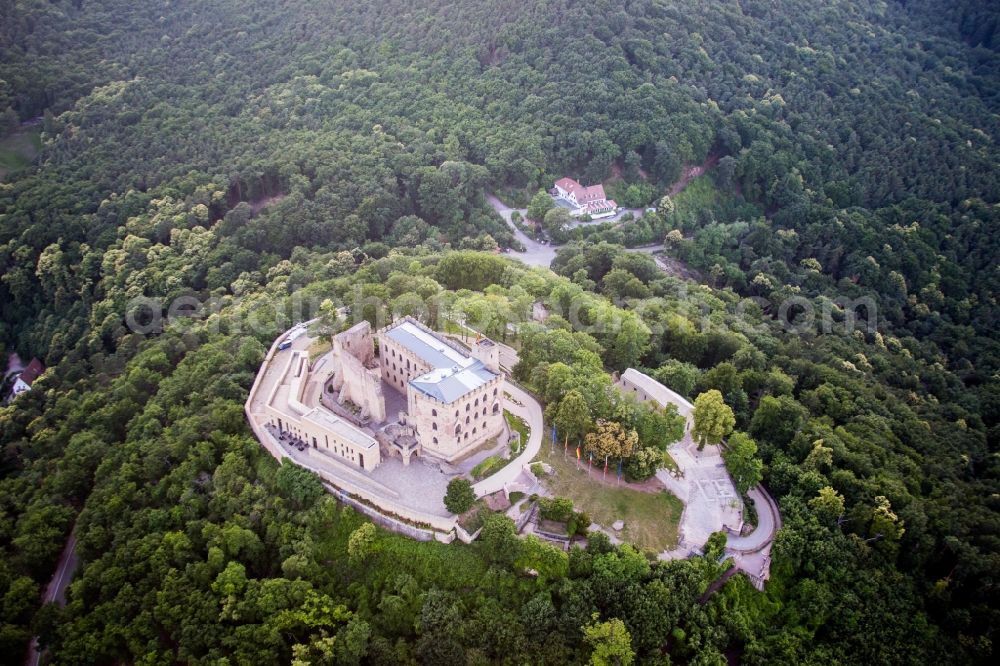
<point x="518" y="425"/>
<point x="487" y="467"/>
<point x="17" y="150"/>
<point x="651" y="518"/>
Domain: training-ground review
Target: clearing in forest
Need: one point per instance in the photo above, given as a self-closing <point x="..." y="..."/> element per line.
<point x="651" y="514"/>
<point x="18" y="150"/>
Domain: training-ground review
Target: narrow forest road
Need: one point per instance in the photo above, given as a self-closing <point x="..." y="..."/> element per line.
<point x="56" y="590"/>
<point x="535" y="254"/>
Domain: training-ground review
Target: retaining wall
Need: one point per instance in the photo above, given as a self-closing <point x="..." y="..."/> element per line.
<point x="349" y="492"/>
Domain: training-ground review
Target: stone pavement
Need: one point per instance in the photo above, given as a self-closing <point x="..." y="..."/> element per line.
<point x="423" y="485"/>
<point x="416" y="491"/>
<point x="711" y="503"/>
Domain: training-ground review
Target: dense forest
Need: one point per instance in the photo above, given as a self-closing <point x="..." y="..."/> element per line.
<point x="256" y="153"/>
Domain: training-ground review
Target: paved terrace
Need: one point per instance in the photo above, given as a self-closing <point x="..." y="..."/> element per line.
<point x="711" y="503"/>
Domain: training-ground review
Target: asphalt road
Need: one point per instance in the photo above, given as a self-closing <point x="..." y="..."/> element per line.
<point x="535" y="254"/>
<point x="541" y="254"/>
<point x="531" y="411"/>
<point x="56" y="590"/>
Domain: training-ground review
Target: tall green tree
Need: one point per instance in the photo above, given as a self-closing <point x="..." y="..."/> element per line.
<point x="460" y="496"/>
<point x="610" y="642"/>
<point x="572" y="419"/>
<point x="612" y="440"/>
<point x="713" y="419"/>
<point x="740" y="455"/>
<point x="540" y="204"/>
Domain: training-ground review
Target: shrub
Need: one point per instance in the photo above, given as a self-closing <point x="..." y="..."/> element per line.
<point x="487" y="467"/>
<point x="643" y="464"/>
<point x="559" y="509"/>
<point x="459" y="497"/>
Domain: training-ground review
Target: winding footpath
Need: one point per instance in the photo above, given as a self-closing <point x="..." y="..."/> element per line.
<point x="530" y="410"/>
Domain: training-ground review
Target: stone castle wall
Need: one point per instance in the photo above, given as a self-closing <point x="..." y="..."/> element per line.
<point x="353" y="352"/>
<point x="450" y="430"/>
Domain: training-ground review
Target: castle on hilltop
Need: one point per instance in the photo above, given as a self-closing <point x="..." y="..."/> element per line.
<point x="414" y="393"/>
<point x="436" y="397"/>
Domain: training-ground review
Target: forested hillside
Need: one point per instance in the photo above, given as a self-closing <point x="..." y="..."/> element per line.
<point x="248" y="151"/>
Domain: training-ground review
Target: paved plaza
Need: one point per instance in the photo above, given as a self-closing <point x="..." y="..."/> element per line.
<point x="421" y="483"/>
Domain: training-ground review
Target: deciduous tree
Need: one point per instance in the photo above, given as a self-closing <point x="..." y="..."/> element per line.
<point x="611" y="440"/>
<point x="740" y="455"/>
<point x="460" y="496"/>
<point x="713" y="419"/>
<point x="610" y="641"/>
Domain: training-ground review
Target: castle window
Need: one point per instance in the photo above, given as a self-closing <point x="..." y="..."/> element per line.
<point x="435" y="440"/>
<point x="477" y="402"/>
<point x="434" y="412"/>
<point x="434" y="426"/>
<point x="494" y="393"/>
<point x="496" y="407"/>
<point x="473" y="431"/>
<point x="466" y="420"/>
<point x="467" y="406"/>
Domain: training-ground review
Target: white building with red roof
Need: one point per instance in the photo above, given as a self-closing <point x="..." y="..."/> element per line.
<point x="586" y="200"/>
<point x="26" y="378"/>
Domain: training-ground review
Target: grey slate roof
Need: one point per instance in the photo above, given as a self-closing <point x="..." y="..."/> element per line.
<point x="450" y="384"/>
<point x="453" y="375"/>
<point x="425" y="345"/>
